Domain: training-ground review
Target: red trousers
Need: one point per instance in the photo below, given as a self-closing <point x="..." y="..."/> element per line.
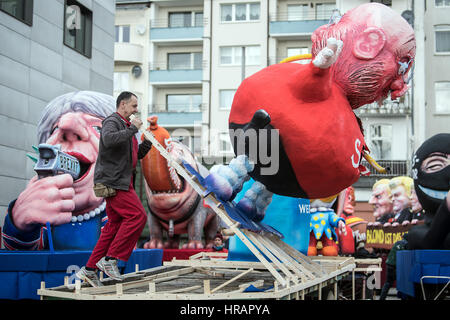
<point x="126" y="220"/>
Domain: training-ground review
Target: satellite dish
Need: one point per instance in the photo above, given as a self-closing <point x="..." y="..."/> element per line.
<point x="408" y="15"/>
<point x="136" y="71"/>
<point x="140" y="29"/>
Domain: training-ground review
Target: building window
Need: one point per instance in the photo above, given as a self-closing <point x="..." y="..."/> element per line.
<point x="184" y="102"/>
<point x="185" y="19"/>
<point x="297" y="12"/>
<point x="192" y="142"/>
<point x="442" y="3"/>
<point x="226" y="99"/>
<point x="78" y="27"/>
<point x="442" y="94"/>
<point x="19" y="9"/>
<point x="224" y="143"/>
<point x="324" y="10"/>
<point x="442" y="35"/>
<point x="296" y="51"/>
<point x="121" y="81"/>
<point x="122" y="33"/>
<point x="240" y="12"/>
<point x="380" y="141"/>
<point x="184" y="61"/>
<point x="232" y="56"/>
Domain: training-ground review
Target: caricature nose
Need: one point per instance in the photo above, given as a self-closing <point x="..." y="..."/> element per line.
<point x="72" y="128"/>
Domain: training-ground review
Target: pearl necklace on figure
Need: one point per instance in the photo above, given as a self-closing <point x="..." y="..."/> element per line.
<point x="91" y="214"/>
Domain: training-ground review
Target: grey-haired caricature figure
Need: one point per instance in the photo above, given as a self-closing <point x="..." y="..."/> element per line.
<point x="76" y="215"/>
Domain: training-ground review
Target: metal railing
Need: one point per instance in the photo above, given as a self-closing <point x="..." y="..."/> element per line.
<point x="166" y="23"/>
<point x="310" y="15"/>
<point x="163" y="65"/>
<point x="177" y="108"/>
<point x="387" y="108"/>
<point x="396" y="168"/>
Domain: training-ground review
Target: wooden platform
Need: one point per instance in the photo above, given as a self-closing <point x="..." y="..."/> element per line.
<point x="282" y="271"/>
<point x="206" y="278"/>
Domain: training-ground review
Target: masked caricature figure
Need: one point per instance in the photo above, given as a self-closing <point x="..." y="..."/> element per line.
<point x="431" y="174"/>
<point x="76" y="215"/>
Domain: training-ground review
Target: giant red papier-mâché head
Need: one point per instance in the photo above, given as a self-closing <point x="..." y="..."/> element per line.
<point x="321" y="143"/>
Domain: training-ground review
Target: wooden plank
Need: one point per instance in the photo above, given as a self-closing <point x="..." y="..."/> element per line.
<point x="139" y="283"/>
<point x="288" y="260"/>
<point x="308" y="263"/>
<point x="255" y="239"/>
<point x="209" y="272"/>
<point x="197" y="255"/>
<point x="206" y="287"/>
<point x="180" y="290"/>
<point x="295" y="266"/>
<point x="231" y="280"/>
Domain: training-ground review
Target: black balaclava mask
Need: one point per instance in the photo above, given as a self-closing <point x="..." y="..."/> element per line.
<point x="431" y="188"/>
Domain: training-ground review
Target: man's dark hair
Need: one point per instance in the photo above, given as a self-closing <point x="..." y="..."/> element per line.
<point x="125" y="95"/>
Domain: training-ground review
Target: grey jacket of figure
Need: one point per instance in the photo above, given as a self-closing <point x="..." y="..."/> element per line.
<point x="114" y="166"/>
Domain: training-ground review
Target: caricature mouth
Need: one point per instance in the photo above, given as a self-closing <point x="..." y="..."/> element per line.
<point x="85" y="164"/>
<point x="437" y="194"/>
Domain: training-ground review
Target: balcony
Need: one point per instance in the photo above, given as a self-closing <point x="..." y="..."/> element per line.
<point x="177" y="119"/>
<point x="164" y="34"/>
<point x="396" y="168"/>
<point x="284" y="25"/>
<point x="162" y="76"/>
<point x="125" y="52"/>
<point x="388" y="108"/>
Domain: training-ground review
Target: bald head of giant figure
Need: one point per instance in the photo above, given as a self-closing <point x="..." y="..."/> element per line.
<point x="378" y="49"/>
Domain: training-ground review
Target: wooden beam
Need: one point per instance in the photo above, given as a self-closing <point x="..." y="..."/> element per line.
<point x="180" y="290"/>
<point x="308" y="263"/>
<point x="255" y="239"/>
<point x="164" y="276"/>
<point x="295" y="266"/>
<point x="231" y="280"/>
<point x="206" y="286"/>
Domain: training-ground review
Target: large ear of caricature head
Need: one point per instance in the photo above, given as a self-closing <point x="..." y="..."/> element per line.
<point x="369" y="43"/>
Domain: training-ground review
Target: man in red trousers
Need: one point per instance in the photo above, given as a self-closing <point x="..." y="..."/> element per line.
<point x="115" y="170"/>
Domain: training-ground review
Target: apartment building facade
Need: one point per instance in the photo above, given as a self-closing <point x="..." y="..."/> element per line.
<point x="199" y="52"/>
<point x="432" y="72"/>
<point x="48" y="48"/>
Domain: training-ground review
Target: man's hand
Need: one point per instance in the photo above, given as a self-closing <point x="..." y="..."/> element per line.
<point x="50" y="199"/>
<point x="136" y="122"/>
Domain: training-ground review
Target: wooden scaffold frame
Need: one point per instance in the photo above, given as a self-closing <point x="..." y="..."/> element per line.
<point x="292" y="273"/>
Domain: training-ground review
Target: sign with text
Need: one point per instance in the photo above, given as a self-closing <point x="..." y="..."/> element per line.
<point x="384" y="237"/>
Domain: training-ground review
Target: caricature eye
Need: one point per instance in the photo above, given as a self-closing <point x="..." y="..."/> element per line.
<point x="435" y="163"/>
<point x="54" y="130"/>
<point x="97" y="128"/>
